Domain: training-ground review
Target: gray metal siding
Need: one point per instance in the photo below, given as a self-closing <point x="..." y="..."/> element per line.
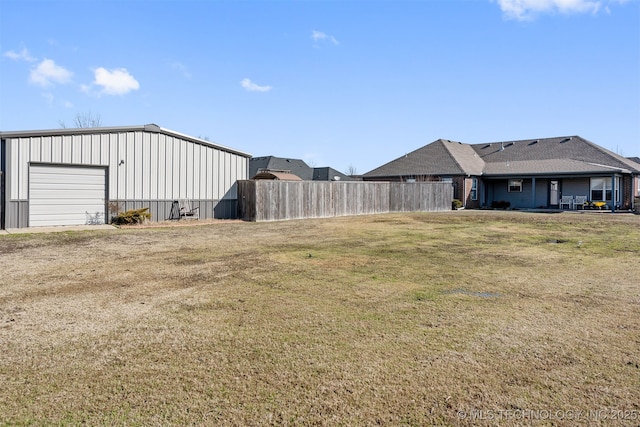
<point x="16" y="214"/>
<point x="160" y="210"/>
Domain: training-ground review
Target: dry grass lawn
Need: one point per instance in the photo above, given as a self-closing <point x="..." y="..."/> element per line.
<point x="460" y="318"/>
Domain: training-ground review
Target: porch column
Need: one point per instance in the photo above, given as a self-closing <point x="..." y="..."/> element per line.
<point x="533" y="192"/>
<point x="613" y="193"/>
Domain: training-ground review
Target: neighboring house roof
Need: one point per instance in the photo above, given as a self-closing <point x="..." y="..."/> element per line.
<point x="279" y="176"/>
<point x="634" y="159"/>
<point x="560" y="155"/>
<point x="330" y="174"/>
<point x="294" y="166"/>
<point x="115" y="129"/>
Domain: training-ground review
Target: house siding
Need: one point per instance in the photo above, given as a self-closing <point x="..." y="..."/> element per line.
<point x="627" y="192"/>
<point x="542" y="193"/>
<point x="575" y="187"/>
<point x="469" y="203"/>
<point x="500" y="192"/>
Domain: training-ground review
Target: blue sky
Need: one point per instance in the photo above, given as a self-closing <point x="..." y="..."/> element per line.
<point x="335" y="83"/>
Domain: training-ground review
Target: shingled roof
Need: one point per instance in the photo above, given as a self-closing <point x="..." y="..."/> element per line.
<point x="277" y="176"/>
<point x="441" y="157"/>
<point x="296" y="167"/>
<point x="559" y="155"/>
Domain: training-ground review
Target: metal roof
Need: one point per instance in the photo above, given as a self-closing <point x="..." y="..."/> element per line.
<point x="153" y="128"/>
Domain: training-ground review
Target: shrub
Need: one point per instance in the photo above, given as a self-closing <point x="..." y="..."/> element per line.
<point x="456" y="204"/>
<point x="502" y="204"/>
<point x="132" y="216"/>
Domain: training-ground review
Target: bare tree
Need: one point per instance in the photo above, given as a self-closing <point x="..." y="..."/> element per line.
<point x="84" y="120"/>
<point x="352" y="171"/>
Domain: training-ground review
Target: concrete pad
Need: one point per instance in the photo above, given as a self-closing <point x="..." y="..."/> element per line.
<point x="57" y="229"/>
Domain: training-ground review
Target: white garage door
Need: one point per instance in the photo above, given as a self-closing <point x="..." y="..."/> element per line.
<point x="66" y="195"/>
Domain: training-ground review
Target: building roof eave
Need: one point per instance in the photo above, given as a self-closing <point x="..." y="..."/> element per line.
<point x="153" y="128"/>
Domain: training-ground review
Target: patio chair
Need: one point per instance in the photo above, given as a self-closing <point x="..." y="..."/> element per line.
<point x="187" y="211"/>
<point x="566" y="201"/>
<point x="579" y="201"/>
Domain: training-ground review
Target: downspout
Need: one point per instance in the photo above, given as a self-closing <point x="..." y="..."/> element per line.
<point x="464" y="191"/>
<point x="3" y="205"/>
<point x="632" y="193"/>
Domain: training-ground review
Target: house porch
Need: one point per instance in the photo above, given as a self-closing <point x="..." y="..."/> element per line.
<point x="547" y="192"/>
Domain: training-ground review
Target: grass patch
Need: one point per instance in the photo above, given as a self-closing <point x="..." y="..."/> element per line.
<point x="387" y="319"/>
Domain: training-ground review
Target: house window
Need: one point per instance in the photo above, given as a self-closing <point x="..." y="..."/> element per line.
<point x="474" y="188"/>
<point x="600" y="189"/>
<point x="515" y="186"/>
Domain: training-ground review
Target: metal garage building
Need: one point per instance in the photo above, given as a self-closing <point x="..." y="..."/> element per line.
<point x="84" y="176"/>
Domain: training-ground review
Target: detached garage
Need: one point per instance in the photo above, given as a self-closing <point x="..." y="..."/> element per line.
<point x="87" y="176"/>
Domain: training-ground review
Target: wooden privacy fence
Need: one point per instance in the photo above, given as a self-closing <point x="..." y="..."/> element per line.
<point x="263" y="200"/>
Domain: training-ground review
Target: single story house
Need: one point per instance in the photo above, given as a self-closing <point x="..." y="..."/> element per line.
<point x="552" y="173"/>
<point x="87" y="175"/>
<point x="295" y="167"/>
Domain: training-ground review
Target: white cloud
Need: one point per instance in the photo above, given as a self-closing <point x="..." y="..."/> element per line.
<point x="319" y="35"/>
<point x="252" y="87"/>
<point x="23" y="55"/>
<point x="115" y="82"/>
<point x="524" y="10"/>
<point x="47" y="73"/>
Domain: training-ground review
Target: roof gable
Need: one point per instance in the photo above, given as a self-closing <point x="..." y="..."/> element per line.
<point x="468" y="160"/>
<point x="432" y="159"/>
